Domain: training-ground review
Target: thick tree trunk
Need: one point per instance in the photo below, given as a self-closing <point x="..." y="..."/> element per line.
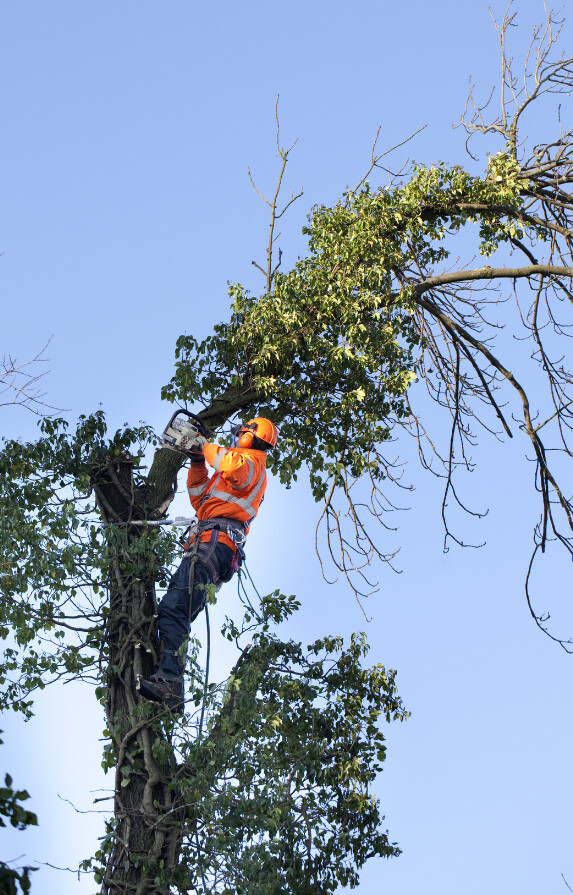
<point x="145" y="839"/>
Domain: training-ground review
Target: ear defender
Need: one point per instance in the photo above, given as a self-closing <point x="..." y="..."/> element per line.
<point x="246" y="439"/>
<point x="260" y="431"/>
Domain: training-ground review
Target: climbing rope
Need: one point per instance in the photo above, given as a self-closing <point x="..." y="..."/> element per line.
<point x="242" y="591"/>
<point x="253" y="585"/>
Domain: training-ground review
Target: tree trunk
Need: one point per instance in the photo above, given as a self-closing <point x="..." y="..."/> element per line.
<point x="144" y="839"/>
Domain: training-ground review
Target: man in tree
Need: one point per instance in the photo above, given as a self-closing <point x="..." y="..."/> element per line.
<point x="225" y="505"/>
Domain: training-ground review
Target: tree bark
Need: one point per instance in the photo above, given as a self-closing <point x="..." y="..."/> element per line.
<point x="146" y="835"/>
<point x="145" y="838"/>
<point x="145" y="830"/>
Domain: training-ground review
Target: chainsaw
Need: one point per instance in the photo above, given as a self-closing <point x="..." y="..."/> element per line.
<point x="184" y="433"/>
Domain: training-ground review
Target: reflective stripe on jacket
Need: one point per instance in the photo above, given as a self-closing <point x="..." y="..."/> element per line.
<point x="234" y="491"/>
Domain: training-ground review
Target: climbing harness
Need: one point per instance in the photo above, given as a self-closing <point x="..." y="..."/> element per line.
<point x="235" y="531"/>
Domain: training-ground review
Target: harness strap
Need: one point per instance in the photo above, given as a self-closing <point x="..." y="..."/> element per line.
<point x="223" y="522"/>
<point x="233" y="528"/>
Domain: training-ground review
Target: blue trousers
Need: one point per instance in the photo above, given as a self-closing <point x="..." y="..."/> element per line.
<point x="179" y="608"/>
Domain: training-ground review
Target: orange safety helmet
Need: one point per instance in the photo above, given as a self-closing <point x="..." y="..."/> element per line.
<point x="259" y="428"/>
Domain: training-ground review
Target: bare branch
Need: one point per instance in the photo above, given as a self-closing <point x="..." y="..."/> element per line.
<point x="19" y="383"/>
<point x="271" y="269"/>
<point x="375" y="159"/>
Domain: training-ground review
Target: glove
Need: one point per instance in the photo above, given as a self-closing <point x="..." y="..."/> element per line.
<point x="194" y="449"/>
<point x="189" y="441"/>
<point x="196" y="446"/>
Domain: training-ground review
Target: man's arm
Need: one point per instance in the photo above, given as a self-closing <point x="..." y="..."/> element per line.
<point x="237" y="469"/>
<point x="197" y="480"/>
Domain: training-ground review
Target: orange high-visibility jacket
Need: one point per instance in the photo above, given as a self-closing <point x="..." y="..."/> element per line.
<point x="235" y="490"/>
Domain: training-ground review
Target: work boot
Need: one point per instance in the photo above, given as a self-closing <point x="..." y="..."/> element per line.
<point x="170" y="693"/>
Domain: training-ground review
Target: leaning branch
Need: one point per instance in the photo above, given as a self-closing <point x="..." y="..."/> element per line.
<point x="491" y="273"/>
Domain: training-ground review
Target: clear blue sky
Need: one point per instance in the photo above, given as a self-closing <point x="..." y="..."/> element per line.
<point x="127" y="132"/>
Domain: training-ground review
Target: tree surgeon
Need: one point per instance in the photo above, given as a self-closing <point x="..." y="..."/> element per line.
<point x="225" y="505"/>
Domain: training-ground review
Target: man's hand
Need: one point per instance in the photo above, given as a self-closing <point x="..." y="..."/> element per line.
<point x="195" y="447"/>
